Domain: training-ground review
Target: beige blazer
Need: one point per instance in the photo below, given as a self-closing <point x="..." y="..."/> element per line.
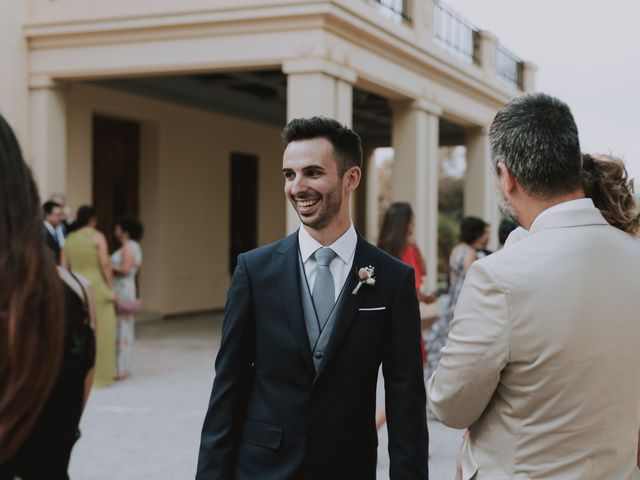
<point x="543" y="358"/>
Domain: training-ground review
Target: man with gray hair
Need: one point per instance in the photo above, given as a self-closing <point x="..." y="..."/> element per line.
<point x="542" y="361"/>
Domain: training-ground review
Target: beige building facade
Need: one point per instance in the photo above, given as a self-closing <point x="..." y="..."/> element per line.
<point x="173" y="110"/>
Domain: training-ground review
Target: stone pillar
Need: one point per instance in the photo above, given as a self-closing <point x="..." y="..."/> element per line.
<point x="528" y="76"/>
<point x="14" y="79"/>
<point x="479" y="183"/>
<point x="48" y="135"/>
<point x="372" y="199"/>
<point x="318" y="87"/>
<point x="487" y="52"/>
<point x="415" y="139"/>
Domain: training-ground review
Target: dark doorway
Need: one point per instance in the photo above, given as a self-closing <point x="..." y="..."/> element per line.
<point x="116" y="151"/>
<point x="244" y="206"/>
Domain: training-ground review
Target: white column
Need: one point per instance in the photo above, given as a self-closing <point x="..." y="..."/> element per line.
<point x="48" y="136"/>
<point x="14" y="79"/>
<point x="479" y="184"/>
<point x="373" y="192"/>
<point x="415" y="139"/>
<point x="317" y="87"/>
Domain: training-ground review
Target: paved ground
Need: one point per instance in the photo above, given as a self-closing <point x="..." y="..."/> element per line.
<point x="148" y="426"/>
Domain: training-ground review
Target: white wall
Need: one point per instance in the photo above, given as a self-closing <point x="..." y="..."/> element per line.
<point x="184" y="190"/>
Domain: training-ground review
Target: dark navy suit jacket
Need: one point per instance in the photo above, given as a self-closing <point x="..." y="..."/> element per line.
<point x="272" y="416"/>
<point x="52" y="243"/>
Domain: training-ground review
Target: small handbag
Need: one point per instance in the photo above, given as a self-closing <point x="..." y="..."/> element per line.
<point x="124" y="306"/>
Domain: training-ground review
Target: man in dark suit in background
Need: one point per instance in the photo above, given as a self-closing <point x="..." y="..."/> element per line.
<point x="52" y="213"/>
<point x="308" y="321"/>
<point x="66" y="219"/>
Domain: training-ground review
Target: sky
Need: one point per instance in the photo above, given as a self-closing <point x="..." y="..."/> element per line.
<point x="587" y="53"/>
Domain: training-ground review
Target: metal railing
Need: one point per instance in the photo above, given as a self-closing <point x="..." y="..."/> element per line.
<point x="397" y="10"/>
<point x="509" y="67"/>
<point x="455" y="33"/>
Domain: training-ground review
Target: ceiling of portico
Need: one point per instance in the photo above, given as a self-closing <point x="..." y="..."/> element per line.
<point x="261" y="96"/>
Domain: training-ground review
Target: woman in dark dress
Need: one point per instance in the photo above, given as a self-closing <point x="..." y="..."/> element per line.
<point x="47" y="346"/>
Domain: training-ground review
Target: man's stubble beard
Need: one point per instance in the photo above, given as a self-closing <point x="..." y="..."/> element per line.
<point x="505" y="206"/>
<point x="331" y="205"/>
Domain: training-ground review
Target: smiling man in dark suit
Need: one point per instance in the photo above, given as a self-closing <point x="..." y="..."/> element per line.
<point x="308" y="321"/>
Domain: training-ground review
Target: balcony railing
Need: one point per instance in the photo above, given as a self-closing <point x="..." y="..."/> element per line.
<point x="397" y="10"/>
<point x="455" y="34"/>
<point x="509" y="67"/>
<point x="461" y="38"/>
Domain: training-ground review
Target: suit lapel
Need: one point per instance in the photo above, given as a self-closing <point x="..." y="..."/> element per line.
<point x="286" y="267"/>
<point x="365" y="255"/>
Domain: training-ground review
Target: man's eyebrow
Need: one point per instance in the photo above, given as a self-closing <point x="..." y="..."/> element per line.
<point x="313" y="167"/>
<point x="304" y="169"/>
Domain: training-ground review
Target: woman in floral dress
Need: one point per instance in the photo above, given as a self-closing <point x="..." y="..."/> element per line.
<point x="473" y="235"/>
<point x="126" y="262"/>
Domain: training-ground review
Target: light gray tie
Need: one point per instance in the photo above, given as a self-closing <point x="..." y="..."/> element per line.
<point x="324" y="294"/>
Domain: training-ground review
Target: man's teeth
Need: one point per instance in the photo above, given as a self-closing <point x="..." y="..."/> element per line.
<point x="307" y="203"/>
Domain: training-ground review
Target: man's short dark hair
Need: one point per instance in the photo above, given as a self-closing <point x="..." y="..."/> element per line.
<point x="471" y="229"/>
<point x="49" y="206"/>
<point x="536" y="137"/>
<point x="346" y="143"/>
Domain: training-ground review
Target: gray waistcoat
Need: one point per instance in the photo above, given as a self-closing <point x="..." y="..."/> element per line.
<point x="318" y="340"/>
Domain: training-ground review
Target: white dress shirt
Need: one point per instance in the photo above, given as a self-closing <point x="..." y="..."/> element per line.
<point x="60" y="235"/>
<point x="340" y="266"/>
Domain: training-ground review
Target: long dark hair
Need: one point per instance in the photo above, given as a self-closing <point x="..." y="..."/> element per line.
<point x="395" y="228"/>
<point x="32" y="323"/>
<point x="606" y="182"/>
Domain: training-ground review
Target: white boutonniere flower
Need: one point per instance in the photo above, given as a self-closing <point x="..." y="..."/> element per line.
<point x="365" y="277"/>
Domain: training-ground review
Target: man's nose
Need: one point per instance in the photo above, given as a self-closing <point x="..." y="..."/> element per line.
<point x="298" y="185"/>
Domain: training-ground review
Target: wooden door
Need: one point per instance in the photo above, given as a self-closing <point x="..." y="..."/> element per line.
<point x="243" y="229"/>
<point x="116" y="153"/>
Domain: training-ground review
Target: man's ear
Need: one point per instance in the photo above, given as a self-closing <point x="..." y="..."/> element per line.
<point x="505" y="178"/>
<point x="352" y="178"/>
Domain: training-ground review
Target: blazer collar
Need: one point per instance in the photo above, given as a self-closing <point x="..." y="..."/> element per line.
<point x="285" y="265"/>
<point x="577" y="217"/>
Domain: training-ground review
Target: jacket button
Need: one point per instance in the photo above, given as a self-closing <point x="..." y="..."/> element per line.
<point x="319" y="355"/>
<point x="309" y="433"/>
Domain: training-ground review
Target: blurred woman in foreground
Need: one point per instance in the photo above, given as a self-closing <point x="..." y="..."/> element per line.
<point x="47" y="346"/>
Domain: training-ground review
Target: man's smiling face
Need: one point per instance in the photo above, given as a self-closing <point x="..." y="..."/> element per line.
<point x="313" y="183"/>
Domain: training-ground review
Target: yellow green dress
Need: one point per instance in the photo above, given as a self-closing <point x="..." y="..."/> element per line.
<point x="83" y="258"/>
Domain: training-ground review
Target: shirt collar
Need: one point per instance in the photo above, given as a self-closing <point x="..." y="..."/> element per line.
<point x="345" y="246"/>
<point x="565" y="206"/>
